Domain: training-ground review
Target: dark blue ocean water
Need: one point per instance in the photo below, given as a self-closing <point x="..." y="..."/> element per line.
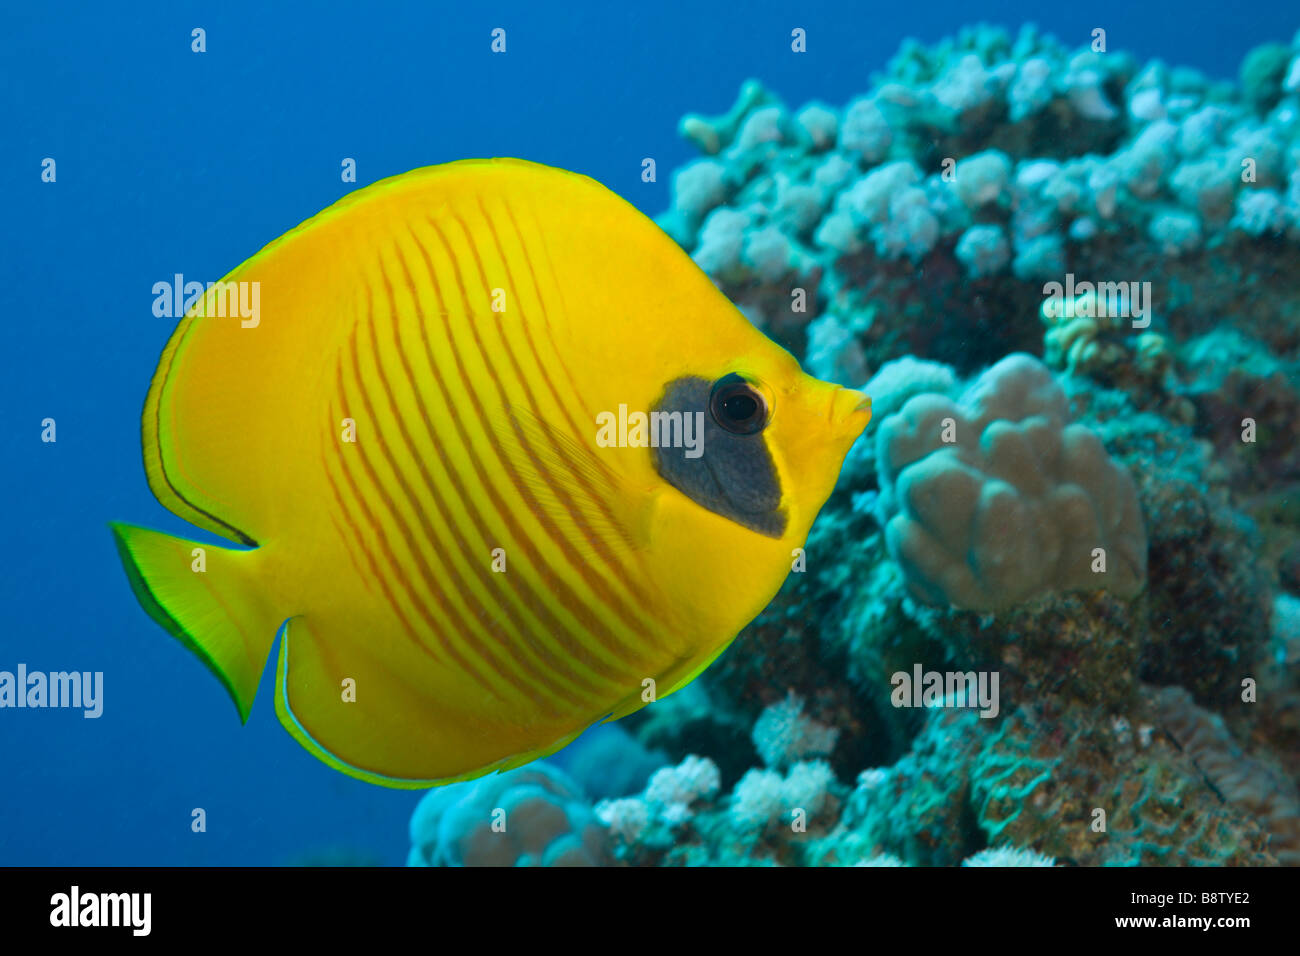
<point x="171" y="162"/>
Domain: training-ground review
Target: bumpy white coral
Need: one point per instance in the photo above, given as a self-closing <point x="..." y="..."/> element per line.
<point x="819" y="123"/>
<point x="763" y="126"/>
<point x="982" y="178"/>
<point x="672" y="797"/>
<point x="1008" y="856"/>
<point x="784" y="735"/>
<point x="968" y="84"/>
<point x="699" y="186"/>
<point x="547" y="822"/>
<point x="1260" y="212"/>
<point x="883" y="859"/>
<point x="808" y="785"/>
<point x="769" y="253"/>
<point x="897" y="381"/>
<point x="983" y="250"/>
<point x="995" y="499"/>
<point x="866" y="131"/>
<point x="1175" y="232"/>
<point x="911" y="229"/>
<point x="627" y="817"/>
<point x="721" y="241"/>
<point x="1200" y="131"/>
<point x="868" y="199"/>
<point x="757" y="798"/>
<point x="1031" y="90"/>
<point x="695" y="778"/>
<point x="1039" y="257"/>
<point x="764" y="797"/>
<point x="1192" y="165"/>
<point x="833" y="352"/>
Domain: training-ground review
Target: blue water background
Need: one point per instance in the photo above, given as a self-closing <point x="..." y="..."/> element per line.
<point x="171" y="161"/>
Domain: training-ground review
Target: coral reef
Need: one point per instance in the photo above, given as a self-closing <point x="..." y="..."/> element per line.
<point x="769" y="818"/>
<point x="993" y="164"/>
<point x="1256" y="785"/>
<point x="1136" y="227"/>
<point x="783" y="735"/>
<point x="1008" y="856"/>
<point x="995" y="499"/>
<point x="532" y="816"/>
<point x="607" y="761"/>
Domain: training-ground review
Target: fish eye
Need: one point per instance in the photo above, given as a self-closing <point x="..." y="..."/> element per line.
<point x="738" y="406"/>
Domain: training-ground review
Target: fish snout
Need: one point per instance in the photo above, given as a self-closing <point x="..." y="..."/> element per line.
<point x="850" y="412"/>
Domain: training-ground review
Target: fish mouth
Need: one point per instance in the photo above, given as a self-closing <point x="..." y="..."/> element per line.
<point x="850" y="411"/>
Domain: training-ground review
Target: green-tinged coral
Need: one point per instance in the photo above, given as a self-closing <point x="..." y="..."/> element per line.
<point x="1075" y="646"/>
<point x="1098" y="790"/>
<point x="906" y="242"/>
<point x="1262" y="73"/>
<point x="1081" y="336"/>
<point x="1247" y="404"/>
<point x="1204" y="621"/>
<point x="917" y="809"/>
<point x="712" y="133"/>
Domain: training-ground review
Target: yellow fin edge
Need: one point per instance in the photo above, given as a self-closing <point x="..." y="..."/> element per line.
<point x="300" y="733"/>
<point x="138" y="550"/>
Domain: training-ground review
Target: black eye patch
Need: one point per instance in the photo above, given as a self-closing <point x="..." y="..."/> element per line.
<point x="735" y="476"/>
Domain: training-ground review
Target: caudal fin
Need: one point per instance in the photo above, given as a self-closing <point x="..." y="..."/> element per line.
<point x="210" y="601"/>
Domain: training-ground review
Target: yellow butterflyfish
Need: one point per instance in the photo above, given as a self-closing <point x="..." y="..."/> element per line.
<point x="502" y="462"/>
